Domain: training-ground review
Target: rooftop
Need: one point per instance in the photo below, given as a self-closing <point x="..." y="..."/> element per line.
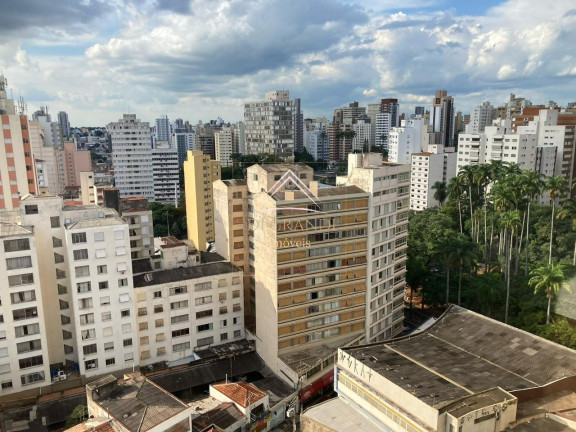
<point x="464" y="353"/>
<point x="235" y="182"/>
<point x="240" y="392"/>
<point x="9" y="229"/>
<point x="277" y="167"/>
<point x="338" y="416"/>
<point x="223" y="416"/>
<point x="140" y="404"/>
<point x="97" y="222"/>
<point x="184" y="273"/>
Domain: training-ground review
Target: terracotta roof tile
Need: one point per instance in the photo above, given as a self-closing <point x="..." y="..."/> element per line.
<point x="240" y="392"/>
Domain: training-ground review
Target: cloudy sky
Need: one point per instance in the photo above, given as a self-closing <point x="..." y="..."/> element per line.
<point x="200" y="59"/>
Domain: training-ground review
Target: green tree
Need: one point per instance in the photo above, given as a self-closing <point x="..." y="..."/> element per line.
<point x="455" y="189"/>
<point x="556" y="186"/>
<point x="441" y="192"/>
<point x="77" y="416"/>
<point x="532" y="187"/>
<point x="510" y="222"/>
<point x="463" y="253"/>
<point x="549" y="279"/>
<point x="568" y="211"/>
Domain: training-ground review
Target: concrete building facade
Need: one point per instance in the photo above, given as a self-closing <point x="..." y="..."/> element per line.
<point x="199" y="174"/>
<point x="132" y="156"/>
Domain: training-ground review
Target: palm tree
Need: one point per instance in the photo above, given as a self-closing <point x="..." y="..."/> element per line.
<point x="556" y="186"/>
<point x="467" y="175"/>
<point x="384" y="139"/>
<point x="444" y="252"/>
<point x="509" y="220"/>
<point x="455" y="189"/>
<point x="568" y="210"/>
<point x="441" y="193"/>
<point x="464" y="254"/>
<point x="547" y="278"/>
<point x="532" y="186"/>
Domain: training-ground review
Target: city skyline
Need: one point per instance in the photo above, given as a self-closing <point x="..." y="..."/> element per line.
<point x="98" y="60"/>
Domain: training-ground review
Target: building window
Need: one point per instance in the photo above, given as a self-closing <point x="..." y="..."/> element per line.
<point x="127" y="342"/>
<point x="98" y="236"/>
<point x="16" y="245"/>
<point x="237" y="333"/>
<point x="110" y="361"/>
<point x="30" y="362"/>
<point x="180" y="332"/>
<point x="91" y="364"/>
<point x="125" y="313"/>
<point x="90" y="349"/>
<point x="204" y="314"/>
<point x="206" y="341"/>
<point x="31" y="209"/>
<point x="82" y="271"/>
<point x="103" y="285"/>
<point x="159" y="323"/>
<point x="179" y="304"/>
<point x="223" y="337"/>
<point x="203" y="300"/>
<point x="32" y="378"/>
<point x="83" y="287"/>
<point x="181" y="346"/>
<point x="18" y="262"/>
<point x="203" y="286"/>
<point x="108" y="346"/>
<point x="204" y="327"/>
<point x="106" y="316"/>
<point x="178" y="290"/>
<point x="21" y="279"/>
<point x="79" y="237"/>
<point x="157" y="294"/>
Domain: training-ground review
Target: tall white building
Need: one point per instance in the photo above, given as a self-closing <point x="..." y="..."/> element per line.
<point x="166" y="172"/>
<point x="271" y="124"/>
<point x="363" y="137"/>
<point x="383" y="125"/>
<point x="414" y="136"/>
<point x="426" y="168"/>
<point x="73" y="308"/>
<point x="224" y="145"/>
<point x="389" y="187"/>
<point x="316" y="141"/>
<point x="480" y="117"/>
<point x="132" y="157"/>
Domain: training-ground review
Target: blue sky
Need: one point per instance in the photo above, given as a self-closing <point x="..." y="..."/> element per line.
<point x="200" y="59"/>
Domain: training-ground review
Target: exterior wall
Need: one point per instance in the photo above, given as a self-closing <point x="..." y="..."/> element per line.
<point x="224" y="145"/>
<point x="132" y="156"/>
<point x="199" y="174"/>
<point x="24" y="353"/>
<point x="103" y="303"/>
<point x="384" y="393"/>
<point x="87" y="188"/>
<point x="426" y="169"/>
<point x="16" y="160"/>
<point x="176" y="319"/>
<point x="166" y="172"/>
<point x="231" y="230"/>
<point x="141" y="232"/>
<point x="75" y="162"/>
<point x="270" y="124"/>
<point x="389" y="188"/>
<point x="412" y="137"/>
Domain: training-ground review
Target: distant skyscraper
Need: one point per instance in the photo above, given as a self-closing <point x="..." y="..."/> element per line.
<point x="443" y="118"/>
<point x="273" y="125"/>
<point x="182" y="140"/>
<point x="480" y="117"/>
<point x="132" y="157"/>
<point x="419" y="111"/>
<point x="224" y="145"/>
<point x="166" y="173"/>
<point x="162" y="129"/>
<point x="64" y="123"/>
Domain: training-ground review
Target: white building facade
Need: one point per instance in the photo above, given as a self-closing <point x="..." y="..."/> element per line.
<point x="132" y="157"/>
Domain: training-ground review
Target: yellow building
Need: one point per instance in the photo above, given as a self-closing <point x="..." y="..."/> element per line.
<point x="199" y="173"/>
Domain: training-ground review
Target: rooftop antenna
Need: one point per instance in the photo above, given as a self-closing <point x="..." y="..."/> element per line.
<point x="22" y="107"/>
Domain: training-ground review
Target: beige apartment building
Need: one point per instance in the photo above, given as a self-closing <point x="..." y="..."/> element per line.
<point x="199" y="174"/>
<point x="306" y="254"/>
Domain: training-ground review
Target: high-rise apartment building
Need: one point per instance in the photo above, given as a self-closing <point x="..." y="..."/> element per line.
<point x="132" y="156"/>
<point x="363" y="135"/>
<point x="224" y="141"/>
<point x="199" y="174"/>
<point x="413" y="136"/>
<point x="273" y="125"/>
<point x="316" y="141"/>
<point x="438" y="164"/>
<point x="48" y="153"/>
<point x="71" y="309"/>
<point x="163" y="131"/>
<point x="348" y="115"/>
<point x="388" y="186"/>
<point x="75" y="161"/>
<point x="182" y="140"/>
<point x="307" y="248"/>
<point x="480" y="117"/>
<point x="166" y="172"/>
<point x="443" y="118"/>
<point x="64" y="124"/>
<point x="17" y="167"/>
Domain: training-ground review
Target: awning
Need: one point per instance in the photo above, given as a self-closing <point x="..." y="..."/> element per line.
<point x="324" y="381"/>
